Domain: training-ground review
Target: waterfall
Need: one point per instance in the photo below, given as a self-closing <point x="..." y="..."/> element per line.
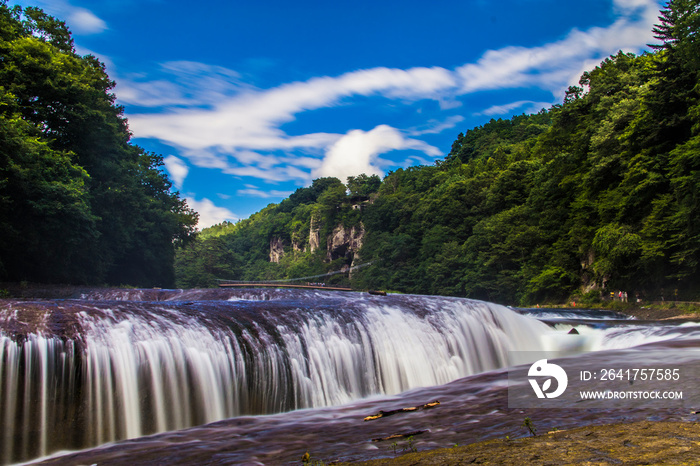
<point x="37" y="383"/>
<point x="78" y="373"/>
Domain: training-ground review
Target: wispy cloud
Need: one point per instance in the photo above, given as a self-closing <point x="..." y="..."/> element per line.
<point x="209" y="213"/>
<point x="184" y="84"/>
<point x="527" y="106"/>
<point x="83" y="21"/>
<point x="436" y="126"/>
<point x="254" y="191"/>
<point x="556" y="65"/>
<point x="230" y="135"/>
<point x="177" y="169"/>
<point x="252" y="119"/>
<point x="79" y="20"/>
<point x="217" y="121"/>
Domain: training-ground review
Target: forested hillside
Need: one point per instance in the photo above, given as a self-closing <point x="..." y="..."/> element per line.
<point x="316" y="230"/>
<point x="78" y="203"/>
<point x="598" y="194"/>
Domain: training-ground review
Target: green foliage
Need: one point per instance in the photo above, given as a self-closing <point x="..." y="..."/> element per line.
<point x="78" y="202"/>
<point x="408" y="447"/>
<point x="552" y="284"/>
<point x="598" y="193"/>
<point x="527" y="423"/>
<point x="241" y="251"/>
<point x="363" y="186"/>
<point x="590" y="298"/>
<point x="45" y="206"/>
<point x="311" y="194"/>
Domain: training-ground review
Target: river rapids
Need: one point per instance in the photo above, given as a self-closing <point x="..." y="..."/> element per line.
<point x="249" y="375"/>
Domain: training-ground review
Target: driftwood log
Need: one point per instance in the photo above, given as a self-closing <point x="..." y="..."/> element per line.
<point x="381" y="414"/>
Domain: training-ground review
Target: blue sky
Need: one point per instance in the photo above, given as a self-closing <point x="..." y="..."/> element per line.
<point x="248" y="101"/>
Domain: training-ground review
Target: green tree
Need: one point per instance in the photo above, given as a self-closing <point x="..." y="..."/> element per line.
<point x="45" y="216"/>
<point x="601" y="190"/>
<point x="132" y="221"/>
<point x="363" y="185"/>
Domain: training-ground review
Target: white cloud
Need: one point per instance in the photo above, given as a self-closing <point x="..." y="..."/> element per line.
<point x="185" y="83"/>
<point x="630" y="6"/>
<point x="251" y="119"/>
<point x="150" y="94"/>
<point x="437" y="127"/>
<point x="177" y="169"/>
<point x="231" y="134"/>
<point x="555" y="65"/>
<point x="83" y="21"/>
<point x="415" y="160"/>
<point x="357" y="151"/>
<point x="217" y="121"/>
<point x="301" y="161"/>
<point x="210" y="214"/>
<point x="529" y="107"/>
<point x="253" y="191"/>
<point x="79" y="20"/>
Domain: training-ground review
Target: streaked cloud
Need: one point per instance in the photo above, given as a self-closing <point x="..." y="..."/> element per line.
<point x="252" y="119"/>
<point x="83" y="21"/>
<point x="183" y="84"/>
<point x="436" y="126"/>
<point x="254" y="191"/>
<point x="556" y="65"/>
<point x="231" y="135"/>
<point x="79" y="20"/>
<point x="527" y="106"/>
<point x="177" y="169"/>
<point x="209" y="213"/>
<point x="215" y="120"/>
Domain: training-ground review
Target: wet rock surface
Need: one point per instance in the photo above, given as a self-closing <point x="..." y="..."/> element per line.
<point x="471" y="410"/>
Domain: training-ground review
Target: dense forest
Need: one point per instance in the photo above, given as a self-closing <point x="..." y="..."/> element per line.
<point x="79" y="203"/>
<point x="600" y="193"/>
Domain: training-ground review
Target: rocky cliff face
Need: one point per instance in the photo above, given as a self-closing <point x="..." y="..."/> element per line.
<point x="276" y="249"/>
<point x="345" y="243"/>
<point x="342" y="243"/>
<point x="314" y="237"/>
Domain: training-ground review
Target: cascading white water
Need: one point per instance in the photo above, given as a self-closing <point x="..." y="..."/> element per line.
<point x="132" y="368"/>
<point x="37" y="380"/>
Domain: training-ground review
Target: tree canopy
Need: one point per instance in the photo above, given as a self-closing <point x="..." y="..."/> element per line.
<point x="598" y="193"/>
<point x="78" y="202"/>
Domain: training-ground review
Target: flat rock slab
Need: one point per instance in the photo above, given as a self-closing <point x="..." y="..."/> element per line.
<point x="637" y="443"/>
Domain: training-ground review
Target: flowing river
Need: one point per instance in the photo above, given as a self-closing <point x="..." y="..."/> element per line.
<point x="246" y="376"/>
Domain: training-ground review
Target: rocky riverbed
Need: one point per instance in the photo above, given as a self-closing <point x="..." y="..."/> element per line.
<point x="634" y="443"/>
